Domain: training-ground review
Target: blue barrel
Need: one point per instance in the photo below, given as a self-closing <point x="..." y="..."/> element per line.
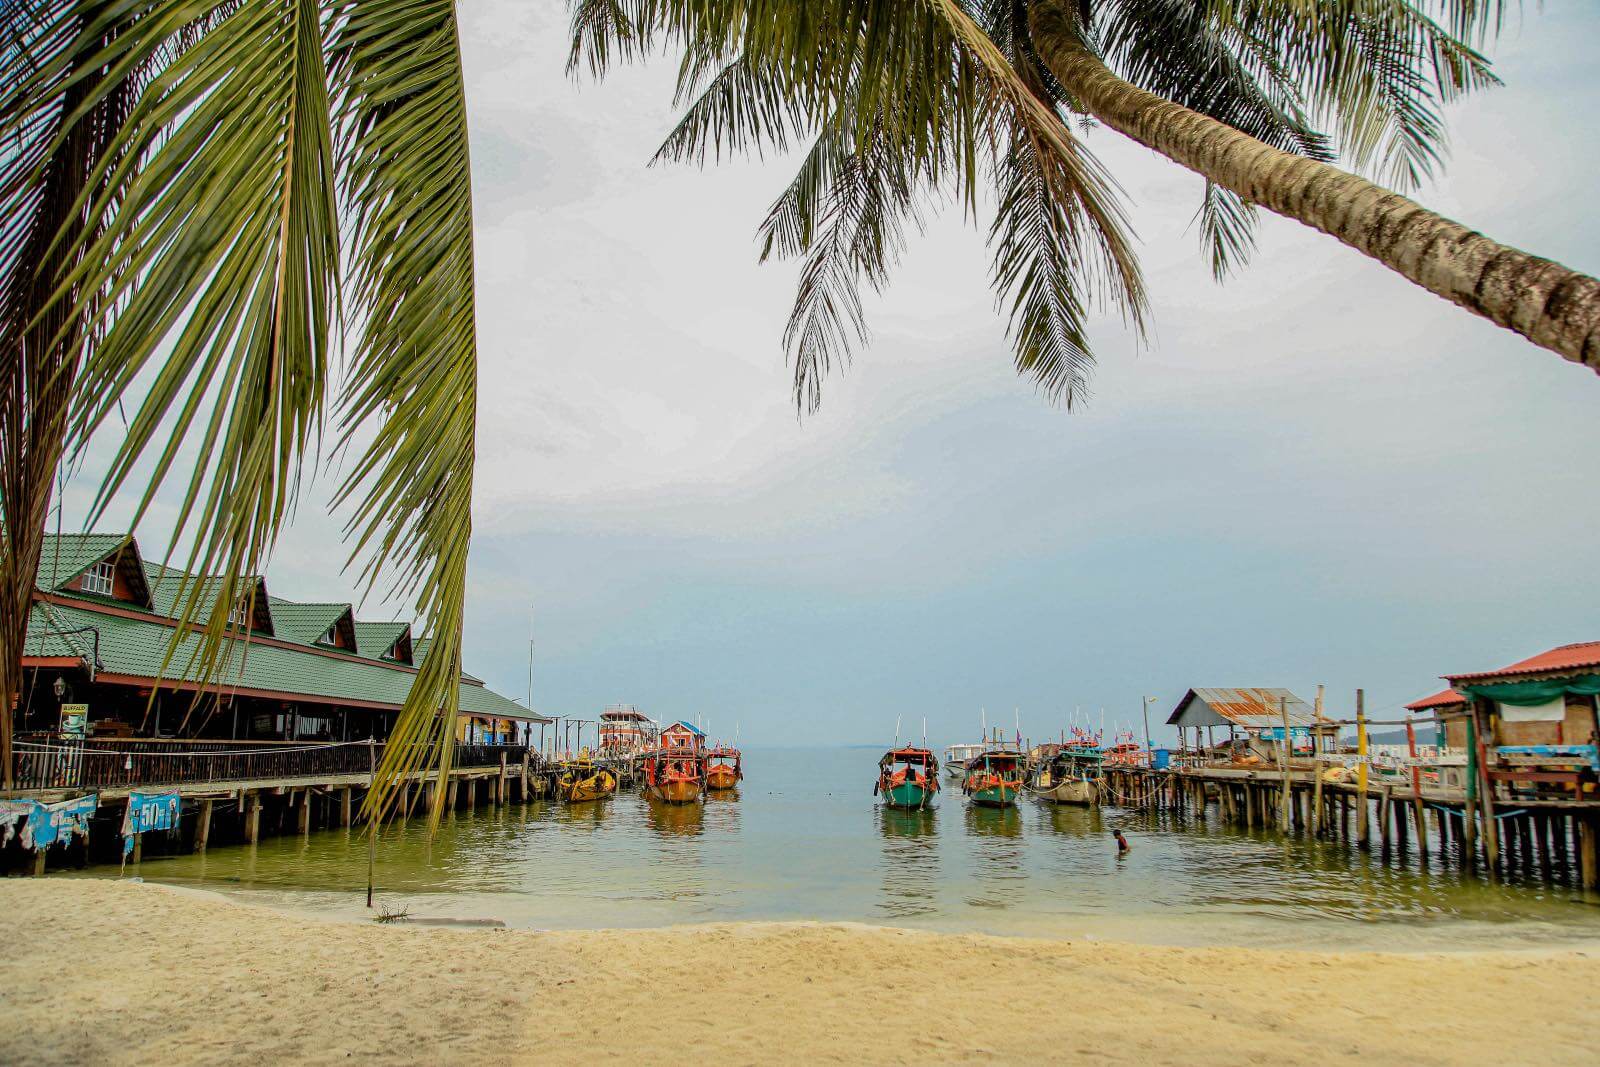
<point x="1161" y="759"/>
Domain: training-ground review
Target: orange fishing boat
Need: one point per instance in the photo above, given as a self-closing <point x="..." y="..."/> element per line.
<point x="675" y="773"/>
<point x="724" y="768"/>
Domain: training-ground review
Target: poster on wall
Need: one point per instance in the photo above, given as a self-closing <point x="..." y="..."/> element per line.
<point x="74" y="721"/>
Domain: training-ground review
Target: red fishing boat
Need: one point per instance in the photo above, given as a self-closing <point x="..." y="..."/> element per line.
<point x="675" y="773"/>
<point x="724" y="768"/>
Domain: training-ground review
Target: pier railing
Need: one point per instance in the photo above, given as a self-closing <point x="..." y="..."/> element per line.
<point x="111" y="763"/>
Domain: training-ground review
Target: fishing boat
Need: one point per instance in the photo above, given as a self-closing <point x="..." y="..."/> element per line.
<point x="956" y="757"/>
<point x="1070" y="774"/>
<point x="675" y="773"/>
<point x="1126" y="752"/>
<point x="907" y="778"/>
<point x="724" y="768"/>
<point x="582" y="779"/>
<point x="994" y="777"/>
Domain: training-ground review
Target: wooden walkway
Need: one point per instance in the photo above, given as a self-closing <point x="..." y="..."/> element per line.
<point x="1532" y="837"/>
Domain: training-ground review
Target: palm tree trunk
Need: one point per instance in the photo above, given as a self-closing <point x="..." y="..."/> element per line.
<point x="1549" y="304"/>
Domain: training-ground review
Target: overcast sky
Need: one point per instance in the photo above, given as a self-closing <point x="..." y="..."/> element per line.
<point x="1316" y="473"/>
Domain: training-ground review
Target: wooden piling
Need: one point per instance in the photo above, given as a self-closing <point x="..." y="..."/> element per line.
<point x="1420" y="810"/>
<point x="1588" y="849"/>
<point x="202" y="826"/>
<point x="344" y="805"/>
<point x="303" y="813"/>
<point x="1363" y="830"/>
<point x="39" y="858"/>
<point x="252" y="819"/>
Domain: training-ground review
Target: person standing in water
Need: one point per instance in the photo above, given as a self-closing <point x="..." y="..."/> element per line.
<point x="1122" y="843"/>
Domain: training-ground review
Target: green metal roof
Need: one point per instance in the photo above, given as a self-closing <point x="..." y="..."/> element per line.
<point x="138" y="646"/>
<point x="376" y="638"/>
<point x="65" y="557"/>
<point x="305" y="623"/>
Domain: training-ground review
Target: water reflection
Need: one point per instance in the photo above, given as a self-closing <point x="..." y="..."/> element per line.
<point x="910" y="864"/>
<point x="998" y="861"/>
<point x="675" y="820"/>
<point x="1075" y="820"/>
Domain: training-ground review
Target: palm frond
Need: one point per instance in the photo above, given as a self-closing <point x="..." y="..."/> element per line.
<point x="221" y="254"/>
<point x="407" y="184"/>
<point x="1227" y="229"/>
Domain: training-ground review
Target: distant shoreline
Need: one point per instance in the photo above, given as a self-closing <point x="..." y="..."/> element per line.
<point x="112" y="972"/>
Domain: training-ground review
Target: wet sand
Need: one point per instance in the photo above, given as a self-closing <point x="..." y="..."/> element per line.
<point x="98" y="971"/>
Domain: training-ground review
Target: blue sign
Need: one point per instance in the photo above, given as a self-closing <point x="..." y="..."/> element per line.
<point x="149" y="811"/>
<point x="51" y="823"/>
<point x="1296" y="733"/>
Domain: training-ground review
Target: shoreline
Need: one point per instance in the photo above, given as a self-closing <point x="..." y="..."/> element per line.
<point x="122" y="972"/>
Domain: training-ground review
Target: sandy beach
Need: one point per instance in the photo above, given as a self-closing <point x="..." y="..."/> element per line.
<point x="119" y="972"/>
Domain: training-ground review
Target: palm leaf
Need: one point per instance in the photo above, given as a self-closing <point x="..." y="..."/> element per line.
<point x="407" y="183"/>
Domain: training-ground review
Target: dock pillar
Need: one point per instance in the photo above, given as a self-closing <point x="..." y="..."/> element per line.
<point x="344" y="806"/>
<point x="38" y="860"/>
<point x="303" y="815"/>
<point x="453" y="794"/>
<point x="1588" y="850"/>
<point x="252" y="819"/>
<point x="202" y="826"/>
<point x="138" y="849"/>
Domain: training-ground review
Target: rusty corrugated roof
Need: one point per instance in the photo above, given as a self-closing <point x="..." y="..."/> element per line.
<point x="1566" y="657"/>
<point x="1251" y="708"/>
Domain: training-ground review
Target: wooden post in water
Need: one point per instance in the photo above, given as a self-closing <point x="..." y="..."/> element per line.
<point x="344" y="805"/>
<point x="1416" y="794"/>
<point x="202" y="826"/>
<point x="1283" y="765"/>
<point x="1588" y="850"/>
<point x="1491" y="830"/>
<point x="1316" y="771"/>
<point x="252" y="819"/>
<point x="304" y="814"/>
<point x="1469" y="808"/>
<point x="1363" y="831"/>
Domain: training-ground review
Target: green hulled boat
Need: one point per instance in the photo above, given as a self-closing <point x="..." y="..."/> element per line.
<point x="907" y="778"/>
<point x="993" y="778"/>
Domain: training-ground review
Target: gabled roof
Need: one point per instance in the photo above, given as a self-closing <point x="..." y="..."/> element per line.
<point x="1249" y="708"/>
<point x="64" y="557"/>
<point x="135" y="647"/>
<point x="1583" y="656"/>
<point x="171" y="588"/>
<point x="306" y="623"/>
<point x="680" y="724"/>
<point x="377" y="639"/>
<point x="1445" y="698"/>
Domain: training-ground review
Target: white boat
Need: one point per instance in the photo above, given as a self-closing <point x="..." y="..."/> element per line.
<point x="956" y="757"/>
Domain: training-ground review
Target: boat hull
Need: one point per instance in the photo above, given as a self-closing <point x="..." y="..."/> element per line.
<point x="995" y="796"/>
<point x="1077" y="791"/>
<point x="908" y="795"/>
<point x="721" y="779"/>
<point x="578" y="790"/>
<point x="676" y="792"/>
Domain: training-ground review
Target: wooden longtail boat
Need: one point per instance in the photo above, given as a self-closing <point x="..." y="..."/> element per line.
<point x="907" y="778"/>
<point x="1069" y="776"/>
<point x="675" y="773"/>
<point x="724" y="769"/>
<point x="994" y="778"/>
<point x="583" y="779"/>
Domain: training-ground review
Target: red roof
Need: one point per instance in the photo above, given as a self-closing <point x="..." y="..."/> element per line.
<point x="1447" y="698"/>
<point x="1567" y="657"/>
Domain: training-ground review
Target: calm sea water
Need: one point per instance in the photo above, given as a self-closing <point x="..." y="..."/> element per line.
<point x="805" y="839"/>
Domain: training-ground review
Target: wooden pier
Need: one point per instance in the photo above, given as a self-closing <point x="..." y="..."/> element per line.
<point x="1523" y="838"/>
<point x="240" y="795"/>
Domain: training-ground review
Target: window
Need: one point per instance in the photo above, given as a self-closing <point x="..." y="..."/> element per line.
<point x="240" y="615"/>
<point x="97" y="579"/>
<point x="331" y="637"/>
